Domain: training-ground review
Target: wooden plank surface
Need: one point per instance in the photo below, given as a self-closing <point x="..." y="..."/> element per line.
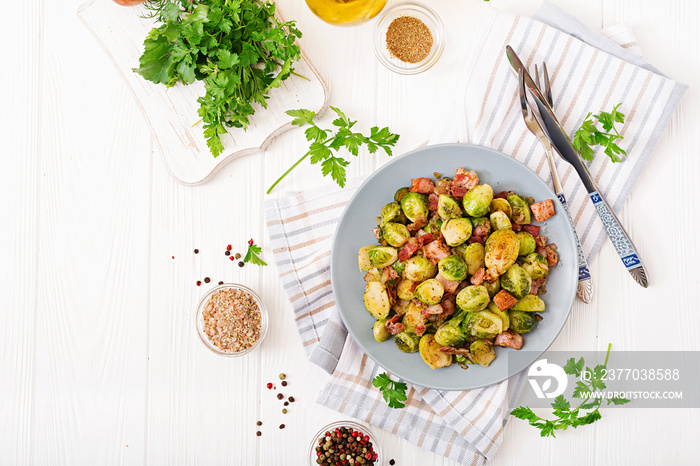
<point x="100" y="362"/>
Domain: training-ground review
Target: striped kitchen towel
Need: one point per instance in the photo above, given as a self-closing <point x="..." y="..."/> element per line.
<point x="590" y="71"/>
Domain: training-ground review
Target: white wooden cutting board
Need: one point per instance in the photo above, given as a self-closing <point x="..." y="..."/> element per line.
<point x="172" y="113"/>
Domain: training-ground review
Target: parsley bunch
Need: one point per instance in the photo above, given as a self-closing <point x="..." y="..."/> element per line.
<point x="238" y="49"/>
<point x="393" y="392"/>
<point x="567" y="417"/>
<point x="588" y="135"/>
<point x="324" y="142"/>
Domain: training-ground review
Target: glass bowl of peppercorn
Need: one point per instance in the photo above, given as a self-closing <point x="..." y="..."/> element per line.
<point x="346" y="441"/>
<point x="231" y="320"/>
<point x="409" y="38"/>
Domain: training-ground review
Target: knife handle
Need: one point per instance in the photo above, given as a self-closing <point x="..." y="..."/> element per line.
<point x="583" y="272"/>
<point x="620" y="239"/>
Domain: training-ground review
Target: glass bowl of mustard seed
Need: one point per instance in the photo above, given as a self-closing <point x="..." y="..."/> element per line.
<point x="231" y="320"/>
<point x="409" y="38"/>
<point x="344" y="442"/>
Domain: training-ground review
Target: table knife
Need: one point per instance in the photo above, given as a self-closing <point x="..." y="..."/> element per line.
<point x="562" y="144"/>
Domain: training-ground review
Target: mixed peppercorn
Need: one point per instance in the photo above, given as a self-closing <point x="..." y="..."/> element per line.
<point x="345" y="446"/>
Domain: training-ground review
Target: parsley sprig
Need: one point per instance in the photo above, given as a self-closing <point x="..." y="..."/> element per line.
<point x="393" y="392"/>
<point x="324" y="143"/>
<point x="565" y="416"/>
<point x="589" y="135"/>
<point x="252" y="254"/>
<point x="238" y="49"/>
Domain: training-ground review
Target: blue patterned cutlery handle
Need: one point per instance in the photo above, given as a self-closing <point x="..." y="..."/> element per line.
<point x="620" y="240"/>
<point x="583" y="272"/>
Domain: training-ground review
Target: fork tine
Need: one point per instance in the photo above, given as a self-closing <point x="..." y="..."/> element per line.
<point x="547" y="87"/>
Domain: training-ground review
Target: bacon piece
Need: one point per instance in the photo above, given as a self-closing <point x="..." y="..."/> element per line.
<point x="510" y="339"/>
<point x="458" y="193"/>
<point x="393" y="325"/>
<point x="436" y="251"/>
<point x="476" y="239"/>
<point x="388" y="273"/>
<point x="481" y="230"/>
<point x="491" y="276"/>
<point x="409" y="249"/>
<point x="464" y="179"/>
<point x="449" y="285"/>
<point x="502" y="195"/>
<point x="377" y="233"/>
<point x="478" y="277"/>
<point x="542" y="210"/>
<point x="504" y="300"/>
<point x="516" y="226"/>
<point x="433" y="201"/>
<point x="424" y="237"/>
<point x="534" y="230"/>
<point x="540" y="240"/>
<point x="391" y="292"/>
<point x="434" y="309"/>
<point x="422" y="185"/>
<point x="451" y="350"/>
<point x="538" y="286"/>
<point x="417" y="225"/>
<point x="448" y="305"/>
<point x="550" y="253"/>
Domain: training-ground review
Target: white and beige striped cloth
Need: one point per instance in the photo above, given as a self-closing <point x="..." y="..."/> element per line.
<point x="590" y="72"/>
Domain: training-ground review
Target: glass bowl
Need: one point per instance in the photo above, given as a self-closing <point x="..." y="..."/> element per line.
<point x="417" y="10"/>
<point x="355" y="426"/>
<point x="200" y="319"/>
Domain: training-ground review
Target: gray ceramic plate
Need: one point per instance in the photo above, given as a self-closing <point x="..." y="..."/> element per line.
<point x="355" y="230"/>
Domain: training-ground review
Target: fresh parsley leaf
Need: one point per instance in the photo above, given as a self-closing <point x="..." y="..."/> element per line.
<point x="588" y="135"/>
<point x="393" y="392"/>
<point x="324" y="142"/>
<point x="592" y="381"/>
<point x="252" y="254"/>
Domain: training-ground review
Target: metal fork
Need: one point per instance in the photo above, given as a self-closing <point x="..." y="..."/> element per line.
<point x="584" y="289"/>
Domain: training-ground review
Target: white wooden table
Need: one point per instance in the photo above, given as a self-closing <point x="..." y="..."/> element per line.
<point x="99" y="359"/>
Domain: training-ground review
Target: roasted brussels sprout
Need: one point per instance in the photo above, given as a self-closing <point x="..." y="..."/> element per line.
<point x="412" y="317"/>
<point x="430" y="292"/>
<point x="483" y="324"/>
<point x="520" y="209"/>
<point x="453" y="268"/>
<point x="400" y="193"/>
<point x="527" y="243"/>
<point x="429" y="351"/>
<point x="462" y="360"/>
<point x="395" y="234"/>
<point x="483" y="222"/>
<point x="536" y="265"/>
<point x="399" y="265"/>
<point x="407" y="342"/>
<point x="373" y="275"/>
<point x="404" y="289"/>
<point x="482" y="352"/>
<point x="478" y="200"/>
<point x="451" y="333"/>
<point x="492" y="287"/>
<point x="501" y="250"/>
<point x="516" y="281"/>
<point x="376" y="300"/>
<point x="392" y="213"/>
<point x="448" y="208"/>
<point x="474" y="257"/>
<point x="503" y="315"/>
<point x="500" y="221"/>
<point x="434" y="227"/>
<point x="521" y="322"/>
<point x="456" y="231"/>
<point x="382" y="256"/>
<point x="363" y="257"/>
<point x="473" y="298"/>
<point x="419" y="268"/>
<point x="501" y="204"/>
<point x="530" y="303"/>
<point x="415" y="206"/>
<point x="381" y="334"/>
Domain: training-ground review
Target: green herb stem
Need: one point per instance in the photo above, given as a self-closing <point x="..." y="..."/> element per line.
<point x="287" y="172"/>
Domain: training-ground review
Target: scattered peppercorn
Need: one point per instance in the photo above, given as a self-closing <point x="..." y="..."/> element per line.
<point x="284" y="411"/>
<point x="284" y="383"/>
<point x="251" y="242"/>
<point x="228" y="248"/>
<point x="196" y="251"/>
<point x="238" y="255"/>
<point x="280" y="396"/>
<point x="269" y="385"/>
<point x="281" y="426"/>
<point x="259" y="423"/>
<point x="392" y="462"/>
<point x="227" y="253"/>
<point x="258" y="433"/>
<point x="283" y="376"/>
<point x="231" y="257"/>
<point x="291" y="399"/>
<point x="198" y="283"/>
<point x="207" y="279"/>
<point x="221" y="283"/>
<point x="240" y="263"/>
<point x="286" y="403"/>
